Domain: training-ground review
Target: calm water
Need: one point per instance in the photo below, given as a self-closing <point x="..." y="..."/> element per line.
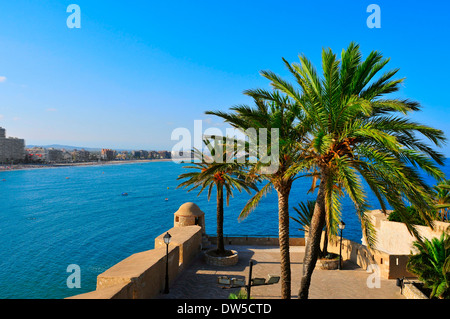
<point x="51" y="218"/>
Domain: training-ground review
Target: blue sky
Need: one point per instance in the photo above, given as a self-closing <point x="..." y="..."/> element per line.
<point x="136" y="70"/>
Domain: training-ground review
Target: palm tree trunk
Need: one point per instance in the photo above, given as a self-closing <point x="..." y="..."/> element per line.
<point x="325" y="243"/>
<point x="220" y="243"/>
<point x="283" y="190"/>
<point x="312" y="249"/>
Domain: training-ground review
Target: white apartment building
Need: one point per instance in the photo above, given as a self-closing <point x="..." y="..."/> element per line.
<point x="11" y="149"/>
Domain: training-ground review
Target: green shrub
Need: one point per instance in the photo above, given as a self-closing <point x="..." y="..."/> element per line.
<point x="432" y="265"/>
<point x="242" y="294"/>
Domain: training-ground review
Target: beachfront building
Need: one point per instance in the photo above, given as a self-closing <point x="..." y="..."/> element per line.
<point x="36" y="154"/>
<point x="11" y="148"/>
<point x="39" y="154"/>
<point x="136" y="154"/>
<point x="54" y="155"/>
<point x="165" y="154"/>
<point x="108" y="154"/>
<point x="159" y="154"/>
<point x="80" y="155"/>
<point x="123" y="155"/>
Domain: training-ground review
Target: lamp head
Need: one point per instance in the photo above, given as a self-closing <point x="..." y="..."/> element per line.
<point x="341" y="225"/>
<point x="167" y="238"/>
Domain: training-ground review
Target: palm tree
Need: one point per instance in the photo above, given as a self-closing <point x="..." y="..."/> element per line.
<point x="304" y="212"/>
<point x="432" y="265"/>
<point x="271" y="114"/>
<point x="442" y="198"/>
<point x="356" y="134"/>
<point x="217" y="168"/>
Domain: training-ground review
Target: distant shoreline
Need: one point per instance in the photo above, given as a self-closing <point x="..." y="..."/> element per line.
<point x="9" y="168"/>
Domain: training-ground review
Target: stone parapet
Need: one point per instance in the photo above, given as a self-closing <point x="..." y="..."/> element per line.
<point x="394" y="237"/>
<point x="410" y="291"/>
<point x="187" y="238"/>
<point x="390" y="266"/>
<point x="142" y="275"/>
<point x="257" y="241"/>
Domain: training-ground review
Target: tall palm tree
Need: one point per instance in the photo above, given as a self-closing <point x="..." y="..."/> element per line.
<point x="357" y="134"/>
<point x="271" y="114"/>
<point x="217" y="167"/>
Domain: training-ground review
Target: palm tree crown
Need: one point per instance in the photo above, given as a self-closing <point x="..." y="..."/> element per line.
<point x="217" y="168"/>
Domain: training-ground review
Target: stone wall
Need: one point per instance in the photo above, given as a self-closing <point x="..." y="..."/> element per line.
<point x="391" y="266"/>
<point x="142" y="275"/>
<point x="393" y="247"/>
<point x="187" y="238"/>
<point x="394" y="237"/>
<point x="257" y="241"/>
<point x="412" y="292"/>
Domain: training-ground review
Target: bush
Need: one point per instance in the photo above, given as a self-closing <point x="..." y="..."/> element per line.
<point x="432" y="265"/>
<point x="242" y="294"/>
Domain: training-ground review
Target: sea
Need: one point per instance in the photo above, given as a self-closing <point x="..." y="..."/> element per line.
<point x="53" y="218"/>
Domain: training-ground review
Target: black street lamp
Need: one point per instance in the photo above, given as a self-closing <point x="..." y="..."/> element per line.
<point x="249" y="279"/>
<point x="341" y="227"/>
<point x="400" y="283"/>
<point x="167" y="238"/>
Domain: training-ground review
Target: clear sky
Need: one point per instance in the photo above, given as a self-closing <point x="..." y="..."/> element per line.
<point x="136" y="70"/>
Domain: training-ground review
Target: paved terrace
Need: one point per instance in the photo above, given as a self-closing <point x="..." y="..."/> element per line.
<point x="199" y="280"/>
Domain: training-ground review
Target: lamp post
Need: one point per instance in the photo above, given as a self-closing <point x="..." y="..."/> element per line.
<point x="400" y="284"/>
<point x="167" y="238"/>
<point x="341" y="227"/>
<point x="249" y="279"/>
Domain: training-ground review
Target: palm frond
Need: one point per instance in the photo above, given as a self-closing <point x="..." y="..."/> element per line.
<point x="254" y="201"/>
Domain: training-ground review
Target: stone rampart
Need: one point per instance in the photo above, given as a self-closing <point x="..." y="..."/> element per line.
<point x="142" y="275"/>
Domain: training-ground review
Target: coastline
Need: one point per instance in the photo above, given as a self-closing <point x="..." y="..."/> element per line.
<point x="16" y="167"/>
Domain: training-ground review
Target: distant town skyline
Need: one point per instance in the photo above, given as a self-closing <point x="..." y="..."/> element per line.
<point x="79" y="147"/>
<point x="14" y="151"/>
<point x="132" y="73"/>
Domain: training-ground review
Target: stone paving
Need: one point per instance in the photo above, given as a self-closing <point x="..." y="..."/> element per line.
<point x="199" y="280"/>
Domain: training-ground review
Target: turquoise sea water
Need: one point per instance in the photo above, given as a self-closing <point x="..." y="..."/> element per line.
<point x="52" y="218"/>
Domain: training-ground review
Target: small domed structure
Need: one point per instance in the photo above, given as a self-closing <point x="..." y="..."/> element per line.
<point x="189" y="214"/>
